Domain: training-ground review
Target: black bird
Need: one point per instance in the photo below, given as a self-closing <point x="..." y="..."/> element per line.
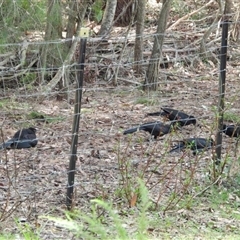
<point x="231" y="130"/>
<point x="195" y="144"/>
<point x="176" y="116"/>
<point x="157" y="129"/>
<point x="25" y="138"/>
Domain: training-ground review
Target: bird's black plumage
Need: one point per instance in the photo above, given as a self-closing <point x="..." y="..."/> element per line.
<point x="156" y="129"/>
<point x="231" y="130"/>
<point x="25" y="138"/>
<point x="176" y="116"/>
<point x="195" y="144"/>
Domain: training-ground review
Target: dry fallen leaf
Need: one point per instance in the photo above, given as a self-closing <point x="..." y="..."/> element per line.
<point x="133" y="200"/>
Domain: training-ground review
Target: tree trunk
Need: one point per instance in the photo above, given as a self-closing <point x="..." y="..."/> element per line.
<point x="124" y="13"/>
<point x="52" y="53"/>
<point x="108" y="18"/>
<point x="153" y="67"/>
<point x="77" y="11"/>
<point x="138" y="51"/>
<point x="71" y="24"/>
<point x="64" y="69"/>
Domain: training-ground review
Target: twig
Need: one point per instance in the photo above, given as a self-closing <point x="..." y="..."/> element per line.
<point x="188" y="15"/>
<point x="126" y="80"/>
<point x="205" y="189"/>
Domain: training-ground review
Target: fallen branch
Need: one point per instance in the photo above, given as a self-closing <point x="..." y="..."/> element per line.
<point x="20" y="73"/>
<point x="66" y="64"/>
<point x="189" y="14"/>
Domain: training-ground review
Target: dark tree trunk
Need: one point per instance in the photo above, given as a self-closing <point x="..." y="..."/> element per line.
<point x="124" y="12"/>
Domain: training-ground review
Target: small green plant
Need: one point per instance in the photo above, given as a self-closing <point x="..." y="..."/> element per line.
<point x="34" y="115"/>
<point x="231" y="117"/>
<point x="217" y="196"/>
<point x="19" y="16"/>
<point x="27" y="232"/>
<point x="106" y="222"/>
<point x="7" y="236"/>
<point x="55" y="119"/>
<point x="97" y="10"/>
<point x="145" y="101"/>
<point x="4" y="103"/>
<point x="45" y="118"/>
<point x="28" y="78"/>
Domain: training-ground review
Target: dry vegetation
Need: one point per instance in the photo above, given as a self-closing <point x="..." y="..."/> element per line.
<point x="184" y="200"/>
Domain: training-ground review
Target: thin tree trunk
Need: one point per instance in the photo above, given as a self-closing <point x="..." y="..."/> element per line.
<point x="66" y="64"/>
<point x="138" y="51"/>
<point x="50" y="51"/>
<point x="153" y="67"/>
<point x="71" y="24"/>
<point x="108" y="18"/>
<point x="81" y="13"/>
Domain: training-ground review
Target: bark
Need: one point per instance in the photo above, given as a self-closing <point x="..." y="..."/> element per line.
<point x="124" y="13"/>
<point x="138" y="51"/>
<point x="71" y="24"/>
<point x="108" y="18"/>
<point x="63" y="70"/>
<point x="153" y="67"/>
<point x="50" y="51"/>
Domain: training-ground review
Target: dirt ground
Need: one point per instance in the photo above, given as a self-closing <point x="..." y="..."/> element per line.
<point x="33" y="182"/>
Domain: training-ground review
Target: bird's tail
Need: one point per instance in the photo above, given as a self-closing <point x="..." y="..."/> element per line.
<point x="5" y="145"/>
<point x="155" y="114"/>
<point x="177" y="148"/>
<point x="131" y="130"/>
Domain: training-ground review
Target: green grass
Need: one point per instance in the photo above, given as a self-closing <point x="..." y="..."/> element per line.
<point x="28" y="79"/>
<point x="145" y="101"/>
<point x="106" y="221"/>
<point x="4" y="103"/>
<point x="9" y="104"/>
<point x="97" y="10"/>
<point x="27" y="232"/>
<point x="34" y="115"/>
<point x="20" y="16"/>
<point x="5" y="236"/>
<point x="212" y="215"/>
<point x="231" y="117"/>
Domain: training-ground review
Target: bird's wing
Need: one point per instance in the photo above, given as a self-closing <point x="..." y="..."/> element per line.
<point x="167" y="110"/>
<point x="199" y="143"/>
<point x="25" y="134"/>
<point x="130" y="130"/>
<point x="28" y="136"/>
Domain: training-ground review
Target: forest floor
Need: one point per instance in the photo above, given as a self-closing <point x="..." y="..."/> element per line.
<point x="33" y="182"/>
<point x="186" y="200"/>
